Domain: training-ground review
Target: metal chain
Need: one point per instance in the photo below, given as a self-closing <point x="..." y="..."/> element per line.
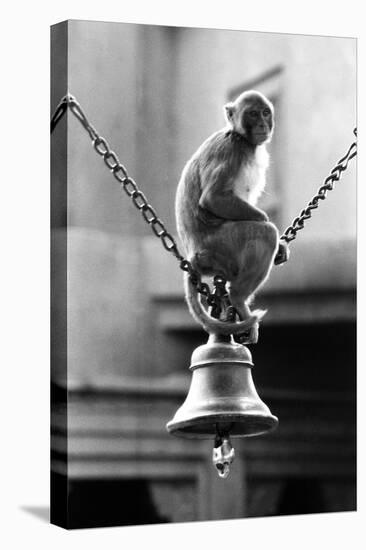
<point x="138" y="198"/>
<point x="328" y="185"/>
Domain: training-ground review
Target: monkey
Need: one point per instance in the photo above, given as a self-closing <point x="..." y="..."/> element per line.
<point x="221" y="229"/>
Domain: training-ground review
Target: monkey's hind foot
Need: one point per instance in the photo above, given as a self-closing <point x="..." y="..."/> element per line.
<point x="249" y="336"/>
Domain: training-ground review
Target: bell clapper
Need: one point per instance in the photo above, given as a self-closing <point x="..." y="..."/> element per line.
<point x="223" y="453"/>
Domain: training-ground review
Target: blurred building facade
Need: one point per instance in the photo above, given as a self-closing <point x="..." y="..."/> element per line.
<point x="122" y="336"/>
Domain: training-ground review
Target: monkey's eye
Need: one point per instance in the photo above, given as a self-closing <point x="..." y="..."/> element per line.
<point x="266" y="112"/>
<point x="253" y="114"/>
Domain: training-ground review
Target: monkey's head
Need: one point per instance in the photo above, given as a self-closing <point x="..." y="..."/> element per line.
<point x="251" y="115"/>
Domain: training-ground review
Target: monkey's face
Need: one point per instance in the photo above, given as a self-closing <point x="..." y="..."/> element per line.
<point x="257" y="121"/>
<point x="251" y="115"/>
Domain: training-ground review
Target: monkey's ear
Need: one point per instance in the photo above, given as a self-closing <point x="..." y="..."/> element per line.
<point x="229" y="111"/>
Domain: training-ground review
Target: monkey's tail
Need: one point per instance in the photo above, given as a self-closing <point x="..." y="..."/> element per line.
<point x="212" y="325"/>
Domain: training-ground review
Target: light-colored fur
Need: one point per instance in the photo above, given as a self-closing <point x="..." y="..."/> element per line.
<point x="251" y="179"/>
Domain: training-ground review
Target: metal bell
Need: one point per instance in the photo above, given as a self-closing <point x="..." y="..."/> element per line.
<point x="222" y="400"/>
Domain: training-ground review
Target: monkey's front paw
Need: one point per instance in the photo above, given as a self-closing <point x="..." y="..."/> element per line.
<point x="283" y="253"/>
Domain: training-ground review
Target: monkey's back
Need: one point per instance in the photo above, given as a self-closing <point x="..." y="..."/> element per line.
<point x="187" y="205"/>
<point x="193" y="222"/>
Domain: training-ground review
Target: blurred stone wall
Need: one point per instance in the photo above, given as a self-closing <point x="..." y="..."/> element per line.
<point x="155" y="93"/>
<point x="119" y="317"/>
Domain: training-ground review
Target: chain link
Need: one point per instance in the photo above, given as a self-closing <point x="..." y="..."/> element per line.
<point x="328" y="185"/>
<point x="137" y="197"/>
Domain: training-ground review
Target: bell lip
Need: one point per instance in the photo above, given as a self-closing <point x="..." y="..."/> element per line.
<point x="178" y="428"/>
